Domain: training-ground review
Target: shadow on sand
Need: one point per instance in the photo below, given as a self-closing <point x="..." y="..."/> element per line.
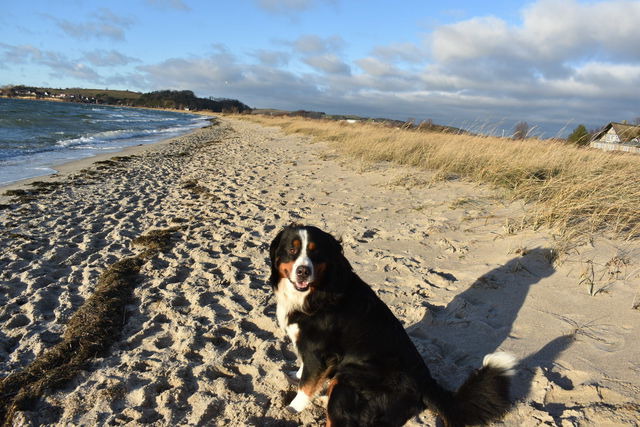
<point x="454" y="339"/>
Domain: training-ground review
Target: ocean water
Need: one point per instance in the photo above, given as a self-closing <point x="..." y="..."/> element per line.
<point x="36" y="136"/>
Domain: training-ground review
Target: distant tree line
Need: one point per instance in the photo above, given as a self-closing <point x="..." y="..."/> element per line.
<point x="175" y="99"/>
<point x="579" y="136"/>
<point x="183" y="99"/>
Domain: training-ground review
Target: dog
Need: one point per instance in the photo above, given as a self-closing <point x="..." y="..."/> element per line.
<point x="348" y="340"/>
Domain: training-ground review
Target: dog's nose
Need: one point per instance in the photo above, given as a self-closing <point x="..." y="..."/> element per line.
<point x="303" y="272"/>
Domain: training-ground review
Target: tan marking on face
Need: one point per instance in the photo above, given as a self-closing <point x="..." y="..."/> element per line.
<point x="285" y="269"/>
<point x="311" y="246"/>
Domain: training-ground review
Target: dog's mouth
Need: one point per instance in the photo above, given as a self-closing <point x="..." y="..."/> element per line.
<point x="302" y="285"/>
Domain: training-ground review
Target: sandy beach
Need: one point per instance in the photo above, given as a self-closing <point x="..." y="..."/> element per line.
<point x="199" y="343"/>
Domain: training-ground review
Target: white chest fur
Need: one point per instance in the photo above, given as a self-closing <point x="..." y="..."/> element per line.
<point x="287" y="300"/>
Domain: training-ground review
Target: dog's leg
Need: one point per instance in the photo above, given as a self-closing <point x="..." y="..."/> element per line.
<point x="294" y="376"/>
<point x="299" y="371"/>
<point x="313" y="375"/>
<point x="299" y="402"/>
<point x="305" y="391"/>
<point x="293" y="331"/>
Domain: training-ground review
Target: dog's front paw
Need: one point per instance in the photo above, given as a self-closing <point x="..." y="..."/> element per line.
<point x="298" y="404"/>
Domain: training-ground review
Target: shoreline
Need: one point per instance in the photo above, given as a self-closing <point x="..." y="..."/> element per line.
<point x="74" y="165"/>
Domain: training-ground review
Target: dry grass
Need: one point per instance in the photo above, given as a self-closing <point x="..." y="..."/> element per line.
<point x="576" y="190"/>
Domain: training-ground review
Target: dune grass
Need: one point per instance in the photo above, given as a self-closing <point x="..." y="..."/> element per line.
<point x="574" y="189"/>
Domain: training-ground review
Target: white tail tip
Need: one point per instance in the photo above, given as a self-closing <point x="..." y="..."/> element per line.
<point x="500" y="360"/>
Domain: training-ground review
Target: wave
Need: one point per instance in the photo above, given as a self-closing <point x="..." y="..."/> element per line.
<point x="103" y="140"/>
<point x="45" y="134"/>
<point x="125" y="135"/>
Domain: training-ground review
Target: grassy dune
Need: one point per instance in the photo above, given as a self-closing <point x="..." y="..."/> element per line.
<point x="575" y="190"/>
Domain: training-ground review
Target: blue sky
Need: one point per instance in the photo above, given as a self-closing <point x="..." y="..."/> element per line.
<point x="479" y="65"/>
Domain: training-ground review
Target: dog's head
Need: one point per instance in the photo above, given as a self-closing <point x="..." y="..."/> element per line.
<point x="307" y="257"/>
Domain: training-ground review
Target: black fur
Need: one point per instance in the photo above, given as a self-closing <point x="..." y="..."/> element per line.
<point x="349" y="337"/>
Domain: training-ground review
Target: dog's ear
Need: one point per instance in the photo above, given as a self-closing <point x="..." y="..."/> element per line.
<point x="274" y="245"/>
<point x="273" y="278"/>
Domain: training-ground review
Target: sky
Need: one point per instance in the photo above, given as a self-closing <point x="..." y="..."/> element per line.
<point x="482" y="66"/>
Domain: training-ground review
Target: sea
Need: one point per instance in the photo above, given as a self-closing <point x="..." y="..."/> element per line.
<point x="37" y="136"/>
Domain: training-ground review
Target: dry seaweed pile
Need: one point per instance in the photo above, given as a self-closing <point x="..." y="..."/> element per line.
<point x="90" y="331"/>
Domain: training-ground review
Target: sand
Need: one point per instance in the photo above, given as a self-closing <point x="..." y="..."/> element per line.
<point x="199" y="342"/>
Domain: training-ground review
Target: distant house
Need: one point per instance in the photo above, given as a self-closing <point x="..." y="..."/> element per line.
<point x="617" y="137"/>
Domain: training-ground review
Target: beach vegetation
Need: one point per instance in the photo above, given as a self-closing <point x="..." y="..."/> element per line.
<point x="16" y="193"/>
<point x="521" y="130"/>
<point x="186" y="99"/>
<point x="40" y="187"/>
<point x="44" y="186"/>
<point x="194" y="186"/>
<point x="89" y="332"/>
<point x="155" y="240"/>
<point x="580" y="136"/>
<point x="597" y="196"/>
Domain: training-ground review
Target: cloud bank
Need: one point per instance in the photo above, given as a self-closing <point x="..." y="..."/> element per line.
<point x="562" y="63"/>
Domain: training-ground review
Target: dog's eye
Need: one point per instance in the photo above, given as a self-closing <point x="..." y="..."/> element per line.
<point x="292" y="251"/>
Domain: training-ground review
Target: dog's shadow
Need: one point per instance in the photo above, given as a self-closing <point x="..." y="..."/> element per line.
<point x="454" y="339"/>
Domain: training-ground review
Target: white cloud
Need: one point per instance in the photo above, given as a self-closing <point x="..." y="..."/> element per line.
<point x="169" y="4"/>
<point x="271" y="57"/>
<point x="221" y="75"/>
<point x="110" y="58"/>
<point x="103" y="24"/>
<point x="58" y="64"/>
<point x="328" y="63"/>
<point x="401" y="52"/>
<point x="551" y="32"/>
<point x="378" y="68"/>
<point x="472" y="39"/>
<point x="310" y="44"/>
<point x="578" y="55"/>
<point x="557" y="30"/>
<point x="470" y="72"/>
<point x="19" y="54"/>
<point x="285" y="6"/>
<point x="562" y="61"/>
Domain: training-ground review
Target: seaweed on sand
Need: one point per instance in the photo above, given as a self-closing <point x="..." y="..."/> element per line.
<point x="89" y="332"/>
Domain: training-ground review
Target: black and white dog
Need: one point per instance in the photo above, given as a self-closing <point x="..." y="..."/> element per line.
<point x="347" y="338"/>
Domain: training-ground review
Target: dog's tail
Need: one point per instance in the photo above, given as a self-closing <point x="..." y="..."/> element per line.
<point x="484" y="397"/>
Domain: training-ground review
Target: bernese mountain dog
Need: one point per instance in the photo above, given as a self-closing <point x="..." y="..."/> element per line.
<point x="348" y="341"/>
